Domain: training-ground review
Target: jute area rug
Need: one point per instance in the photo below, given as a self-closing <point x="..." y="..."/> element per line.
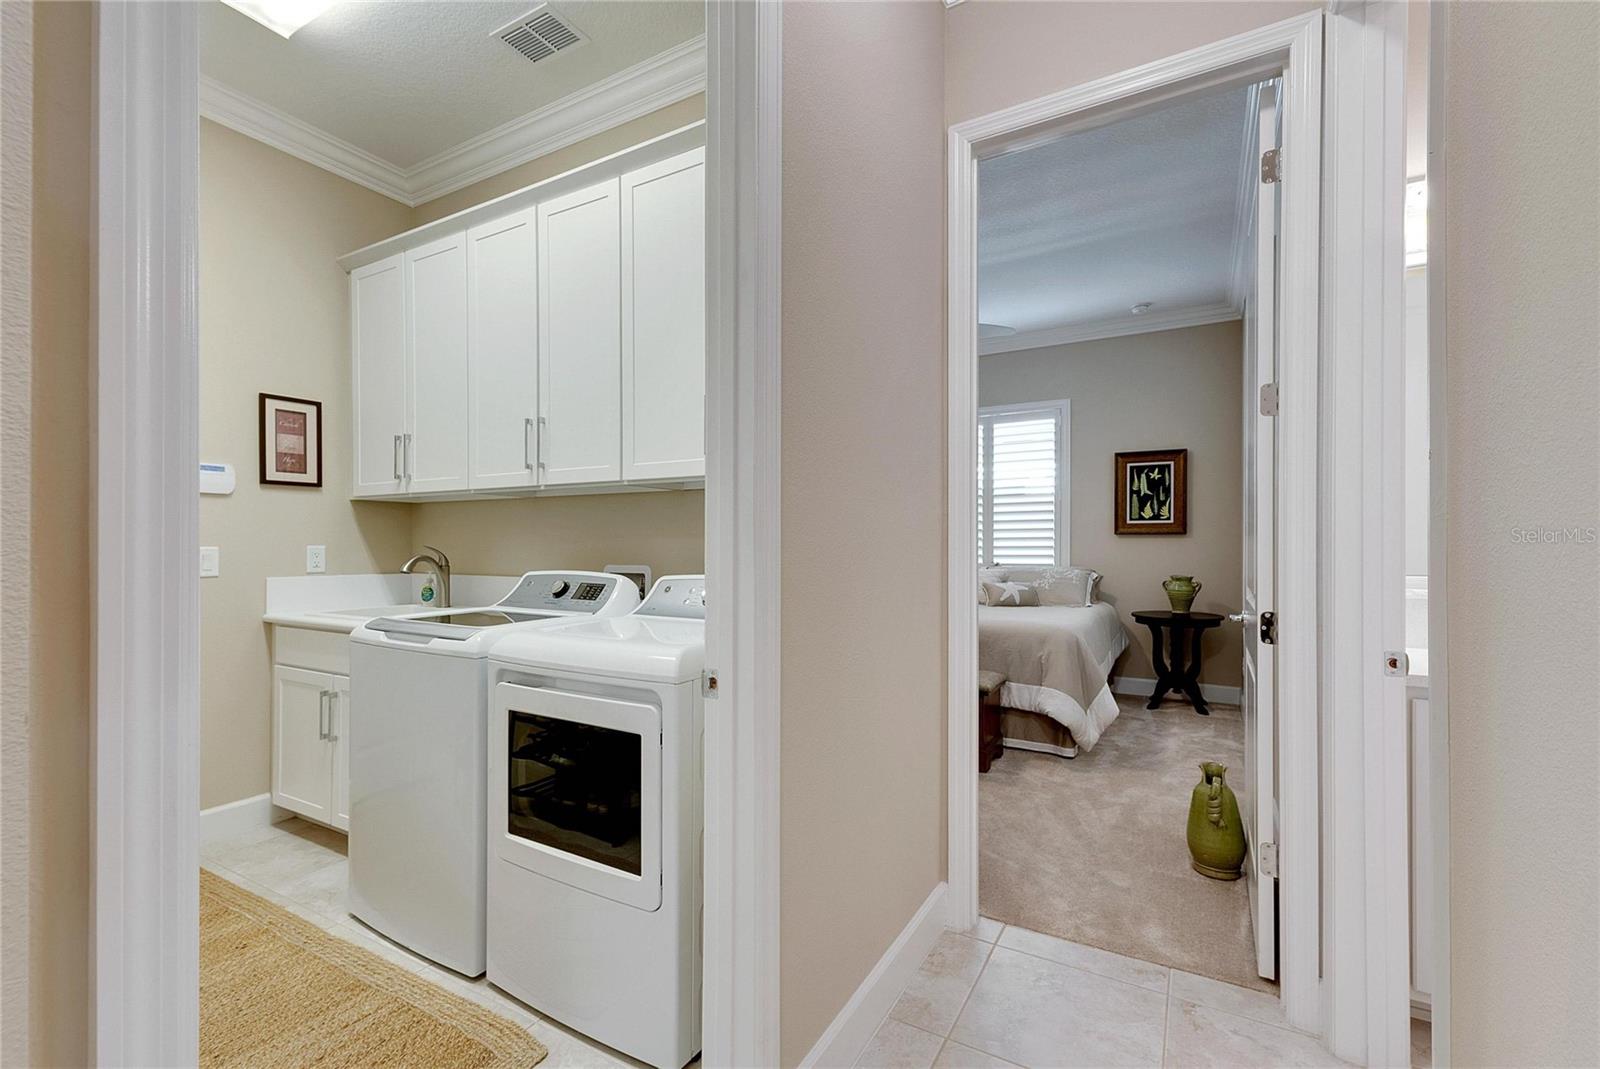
<point x="278" y="991"/>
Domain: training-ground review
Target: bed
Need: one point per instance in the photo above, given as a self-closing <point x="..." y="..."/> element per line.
<point x="1057" y="662"/>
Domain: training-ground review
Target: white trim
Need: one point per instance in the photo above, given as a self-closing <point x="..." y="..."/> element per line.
<point x="1062" y="408"/>
<point x="145" y="772"/>
<point x="1245" y="201"/>
<point x="1366" y="747"/>
<point x="1439" y="16"/>
<point x="1119" y="327"/>
<point x="743" y="496"/>
<point x="16" y="487"/>
<point x="1293" y="47"/>
<point x="233" y="819"/>
<point x="1039" y="747"/>
<point x="1138" y="686"/>
<point x="675" y="74"/>
<point x="848" y="1034"/>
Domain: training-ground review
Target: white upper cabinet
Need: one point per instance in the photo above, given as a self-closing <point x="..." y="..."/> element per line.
<point x="378" y="372"/>
<point x="503" y="351"/>
<point x="664" y="319"/>
<point x="580" y="360"/>
<point x="436" y="301"/>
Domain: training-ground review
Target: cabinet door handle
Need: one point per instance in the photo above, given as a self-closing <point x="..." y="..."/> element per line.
<point x="322" y="714"/>
<point x="333" y="716"/>
<point x="541" y="425"/>
<point x="527" y="459"/>
<point x="397" y="457"/>
<point x="409" y="451"/>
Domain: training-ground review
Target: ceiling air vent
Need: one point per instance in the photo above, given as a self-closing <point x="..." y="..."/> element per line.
<point x="540" y="34"/>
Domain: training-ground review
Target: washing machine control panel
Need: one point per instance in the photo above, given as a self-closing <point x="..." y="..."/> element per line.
<point x="682" y="596"/>
<point x="584" y="592"/>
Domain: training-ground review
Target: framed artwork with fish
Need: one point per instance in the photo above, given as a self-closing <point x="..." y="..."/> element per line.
<point x="1152" y="492"/>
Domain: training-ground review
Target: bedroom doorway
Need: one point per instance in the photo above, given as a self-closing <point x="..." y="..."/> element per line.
<point x="1116" y="316"/>
<point x="1127" y="284"/>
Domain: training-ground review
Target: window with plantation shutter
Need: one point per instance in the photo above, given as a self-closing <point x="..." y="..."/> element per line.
<point x="1022" y="479"/>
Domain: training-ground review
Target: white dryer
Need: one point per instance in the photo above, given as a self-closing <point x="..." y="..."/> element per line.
<point x="595" y="818"/>
<point x="418" y="693"/>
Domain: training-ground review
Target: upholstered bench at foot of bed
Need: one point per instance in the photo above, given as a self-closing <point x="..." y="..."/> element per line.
<point x="990" y="744"/>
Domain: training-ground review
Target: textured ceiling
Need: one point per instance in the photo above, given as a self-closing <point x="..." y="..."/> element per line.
<point x="1080" y="229"/>
<point x="408" y="79"/>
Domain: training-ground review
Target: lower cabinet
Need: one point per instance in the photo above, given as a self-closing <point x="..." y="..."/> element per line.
<point x="310" y="758"/>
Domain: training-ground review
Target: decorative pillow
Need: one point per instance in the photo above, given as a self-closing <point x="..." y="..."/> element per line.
<point x="990" y="574"/>
<point x="1014" y="594"/>
<point x="1067" y="585"/>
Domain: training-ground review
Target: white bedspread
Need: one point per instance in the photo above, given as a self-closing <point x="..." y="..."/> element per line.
<point x="1057" y="661"/>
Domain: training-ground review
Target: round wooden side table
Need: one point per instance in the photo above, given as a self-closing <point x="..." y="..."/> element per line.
<point x="1175" y="648"/>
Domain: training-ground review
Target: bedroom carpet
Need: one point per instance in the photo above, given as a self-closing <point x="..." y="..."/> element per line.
<point x="1092" y="849"/>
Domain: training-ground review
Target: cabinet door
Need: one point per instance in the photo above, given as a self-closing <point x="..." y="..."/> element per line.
<point x="436" y="311"/>
<point x="664" y="319"/>
<point x="302" y="768"/>
<point x="580" y="318"/>
<point x="503" y="350"/>
<point x="339" y="727"/>
<point x="378" y="376"/>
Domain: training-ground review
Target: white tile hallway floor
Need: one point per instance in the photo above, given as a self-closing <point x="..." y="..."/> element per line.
<point x="301" y="866"/>
<point x="1004" y="996"/>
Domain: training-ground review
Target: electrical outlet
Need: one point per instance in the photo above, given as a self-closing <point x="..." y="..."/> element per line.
<point x="316" y="560"/>
<point x="210" y="562"/>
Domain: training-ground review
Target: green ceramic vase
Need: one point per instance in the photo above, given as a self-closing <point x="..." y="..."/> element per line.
<point x="1181" y="591"/>
<point x="1216" y="835"/>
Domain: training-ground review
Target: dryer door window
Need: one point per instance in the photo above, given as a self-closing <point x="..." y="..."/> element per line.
<point x="575" y="790"/>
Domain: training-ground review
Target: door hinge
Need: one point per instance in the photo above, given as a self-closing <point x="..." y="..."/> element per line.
<point x="1269" y="628"/>
<point x="1269" y="399"/>
<point x="1272" y="166"/>
<point x="1267" y="860"/>
<point x="708" y="683"/>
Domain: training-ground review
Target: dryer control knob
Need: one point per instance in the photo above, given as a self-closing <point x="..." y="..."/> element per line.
<point x="559" y="588"/>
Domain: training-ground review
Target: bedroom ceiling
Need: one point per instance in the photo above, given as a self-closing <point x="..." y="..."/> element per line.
<point x="406" y="81"/>
<point x="1073" y="233"/>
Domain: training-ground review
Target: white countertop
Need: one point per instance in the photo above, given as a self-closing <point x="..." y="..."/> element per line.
<point x="341" y="603"/>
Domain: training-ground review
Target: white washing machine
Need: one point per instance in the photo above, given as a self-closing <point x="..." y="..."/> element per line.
<point x="418" y="691"/>
<point x="595" y="817"/>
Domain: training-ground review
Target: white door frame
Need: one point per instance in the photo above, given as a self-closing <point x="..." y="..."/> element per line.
<point x="146" y="626"/>
<point x="1314" y="837"/>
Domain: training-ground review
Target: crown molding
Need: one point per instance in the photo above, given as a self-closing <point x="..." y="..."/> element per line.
<point x="1119" y="327"/>
<point x="673" y="75"/>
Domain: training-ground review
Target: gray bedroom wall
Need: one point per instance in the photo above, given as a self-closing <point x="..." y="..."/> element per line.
<point x="1172" y="389"/>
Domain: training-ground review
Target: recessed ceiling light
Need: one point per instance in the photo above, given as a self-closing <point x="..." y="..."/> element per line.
<point x="282" y="17"/>
<point x="994" y="330"/>
<point x="1141" y="308"/>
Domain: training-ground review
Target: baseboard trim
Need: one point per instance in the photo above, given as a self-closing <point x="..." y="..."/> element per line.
<point x="1040" y="747"/>
<point x="236" y="818"/>
<point x="1421" y="1006"/>
<point x="850" y="1032"/>
<point x="1211" y="692"/>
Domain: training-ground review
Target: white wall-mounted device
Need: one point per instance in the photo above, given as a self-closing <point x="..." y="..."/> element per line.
<point x="216" y="478"/>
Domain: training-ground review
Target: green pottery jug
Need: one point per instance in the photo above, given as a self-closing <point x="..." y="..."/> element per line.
<point x="1216" y="835"/>
<point x="1181" y="591"/>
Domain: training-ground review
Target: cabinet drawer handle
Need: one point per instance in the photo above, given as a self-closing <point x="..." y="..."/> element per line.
<point x="409" y="452"/>
<point x="322" y="714"/>
<point x="397" y="457"/>
<point x="527" y="460"/>
<point x="333" y="716"/>
<point x="541" y="443"/>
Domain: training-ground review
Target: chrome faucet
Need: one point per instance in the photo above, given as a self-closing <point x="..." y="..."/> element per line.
<point x="437" y="565"/>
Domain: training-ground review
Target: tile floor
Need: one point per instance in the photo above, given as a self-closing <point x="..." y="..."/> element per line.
<point x="301" y="866"/>
<point x="1005" y="996"/>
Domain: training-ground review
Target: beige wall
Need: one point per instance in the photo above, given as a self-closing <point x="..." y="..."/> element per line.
<point x="1522" y="432"/>
<point x="664" y="530"/>
<point x="863" y="494"/>
<point x="1003" y="52"/>
<point x="274" y="318"/>
<point x="1174" y="389"/>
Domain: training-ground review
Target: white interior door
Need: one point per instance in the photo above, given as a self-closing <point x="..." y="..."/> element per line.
<point x="580" y="336"/>
<point x="436" y="309"/>
<point x="378" y="375"/>
<point x="1258" y="787"/>
<point x="503" y="339"/>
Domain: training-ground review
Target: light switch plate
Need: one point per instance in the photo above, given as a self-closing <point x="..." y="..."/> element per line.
<point x="316" y="560"/>
<point x="210" y="562"/>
